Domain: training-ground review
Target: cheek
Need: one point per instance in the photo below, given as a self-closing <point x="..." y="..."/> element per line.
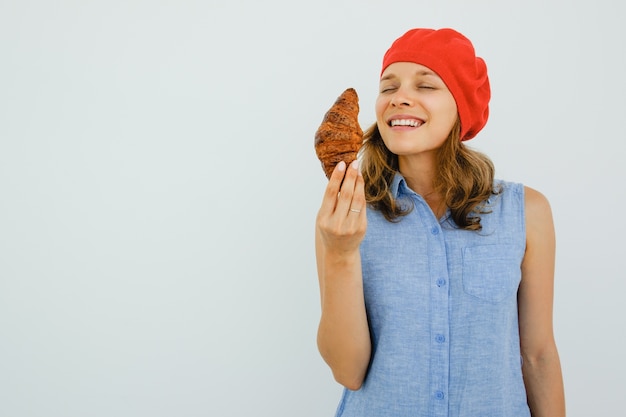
<point x="450" y="112"/>
<point x="380" y="106"/>
<point x="452" y="109"/>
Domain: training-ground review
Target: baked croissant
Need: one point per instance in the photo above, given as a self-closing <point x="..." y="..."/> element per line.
<point x="339" y="137"/>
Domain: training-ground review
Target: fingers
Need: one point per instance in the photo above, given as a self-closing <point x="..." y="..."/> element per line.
<point x="336" y="180"/>
<point x="345" y="191"/>
<point x="342" y="219"/>
<point x="358" y="198"/>
<point x="351" y="197"/>
<point x="332" y="189"/>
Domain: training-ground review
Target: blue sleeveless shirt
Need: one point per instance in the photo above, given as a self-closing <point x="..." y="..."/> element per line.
<point x="442" y="309"/>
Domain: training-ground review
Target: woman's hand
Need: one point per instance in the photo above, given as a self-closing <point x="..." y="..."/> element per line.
<point x="341" y="220"/>
<point x="343" y="335"/>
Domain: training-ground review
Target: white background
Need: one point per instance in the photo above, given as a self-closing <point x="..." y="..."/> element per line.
<point x="158" y="190"/>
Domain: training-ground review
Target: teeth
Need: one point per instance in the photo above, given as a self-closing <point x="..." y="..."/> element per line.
<point x="405" y="122"/>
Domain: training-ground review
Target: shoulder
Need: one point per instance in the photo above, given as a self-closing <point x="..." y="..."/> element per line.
<point x="532" y="207"/>
<point x="538" y="214"/>
<point x="536" y="204"/>
<point x="534" y="200"/>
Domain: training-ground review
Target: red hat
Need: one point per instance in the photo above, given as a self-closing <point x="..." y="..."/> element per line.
<point x="450" y="55"/>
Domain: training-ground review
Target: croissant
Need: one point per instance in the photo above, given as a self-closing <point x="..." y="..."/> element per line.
<point x="339" y="137"/>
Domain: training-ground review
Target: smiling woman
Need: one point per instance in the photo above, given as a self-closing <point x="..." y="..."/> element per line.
<point x="432" y="296"/>
<point x="402" y="88"/>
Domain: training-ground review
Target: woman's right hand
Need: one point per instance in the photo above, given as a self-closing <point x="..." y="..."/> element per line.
<point x="343" y="335"/>
<point x="342" y="220"/>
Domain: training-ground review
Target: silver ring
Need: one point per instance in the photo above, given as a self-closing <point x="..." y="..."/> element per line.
<point x="355" y="210"/>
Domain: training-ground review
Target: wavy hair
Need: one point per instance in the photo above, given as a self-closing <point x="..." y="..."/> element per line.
<point x="465" y="178"/>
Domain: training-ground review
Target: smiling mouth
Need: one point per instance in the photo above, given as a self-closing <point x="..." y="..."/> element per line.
<point x="405" y="122"/>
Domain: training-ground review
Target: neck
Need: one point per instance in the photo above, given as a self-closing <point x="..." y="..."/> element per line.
<point x="419" y="174"/>
<point x="420" y="177"/>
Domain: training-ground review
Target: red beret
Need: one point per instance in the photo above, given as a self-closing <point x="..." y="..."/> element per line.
<point x="451" y="55"/>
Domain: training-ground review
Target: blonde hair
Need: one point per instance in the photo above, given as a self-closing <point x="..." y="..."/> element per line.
<point x="465" y="178"/>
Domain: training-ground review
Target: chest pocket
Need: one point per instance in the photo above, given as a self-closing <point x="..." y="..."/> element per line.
<point x="491" y="272"/>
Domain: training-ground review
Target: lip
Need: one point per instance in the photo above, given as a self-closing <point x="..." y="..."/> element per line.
<point x="406" y="117"/>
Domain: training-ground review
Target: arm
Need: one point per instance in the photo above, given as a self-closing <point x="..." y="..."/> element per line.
<point x="541" y="364"/>
<point x="343" y="337"/>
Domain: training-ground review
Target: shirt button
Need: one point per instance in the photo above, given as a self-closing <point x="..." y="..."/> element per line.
<point x="439" y="395"/>
<point x="434" y="230"/>
<point x="441" y="282"/>
<point x="440" y="338"/>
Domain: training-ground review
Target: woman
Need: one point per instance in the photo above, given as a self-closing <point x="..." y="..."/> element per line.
<point x="436" y="280"/>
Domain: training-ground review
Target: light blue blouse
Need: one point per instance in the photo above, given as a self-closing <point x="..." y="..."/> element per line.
<point x="442" y="310"/>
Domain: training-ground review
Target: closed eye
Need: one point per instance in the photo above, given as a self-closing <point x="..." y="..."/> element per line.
<point x="387" y="89"/>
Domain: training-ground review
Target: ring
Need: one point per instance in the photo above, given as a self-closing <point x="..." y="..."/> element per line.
<point x="355" y="210"/>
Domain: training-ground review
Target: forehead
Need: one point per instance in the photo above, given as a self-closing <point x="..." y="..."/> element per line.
<point x="398" y="69"/>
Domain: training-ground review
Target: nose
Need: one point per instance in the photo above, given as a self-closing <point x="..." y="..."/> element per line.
<point x="400" y="98"/>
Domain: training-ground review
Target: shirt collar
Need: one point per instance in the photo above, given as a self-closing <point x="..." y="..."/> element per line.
<point x="398" y="186"/>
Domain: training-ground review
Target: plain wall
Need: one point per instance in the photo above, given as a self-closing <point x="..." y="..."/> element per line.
<point x="158" y="191"/>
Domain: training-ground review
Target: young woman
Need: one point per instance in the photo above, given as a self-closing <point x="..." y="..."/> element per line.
<point x="436" y="280"/>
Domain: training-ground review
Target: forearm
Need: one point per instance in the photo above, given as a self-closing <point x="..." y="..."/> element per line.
<point x="343" y="333"/>
<point x="544" y="384"/>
